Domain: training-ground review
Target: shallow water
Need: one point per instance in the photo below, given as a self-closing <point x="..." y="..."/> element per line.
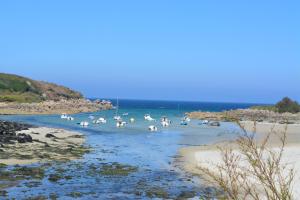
<point x="152" y="153"/>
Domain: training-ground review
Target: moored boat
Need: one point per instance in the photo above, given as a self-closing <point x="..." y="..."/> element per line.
<point x="165" y="122"/>
<point x="120" y="124"/>
<point x="117" y="118"/>
<point x="101" y="120"/>
<point x="148" y="117"/>
<point x="204" y="122"/>
<point x="64" y="116"/>
<point x="215" y="123"/>
<point x="183" y="123"/>
<point x="84" y="123"/>
<point x="187" y="119"/>
<point x="70" y="118"/>
<point x="152" y="128"/>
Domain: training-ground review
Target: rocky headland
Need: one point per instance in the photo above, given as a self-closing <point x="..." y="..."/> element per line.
<point x="21" y="95"/>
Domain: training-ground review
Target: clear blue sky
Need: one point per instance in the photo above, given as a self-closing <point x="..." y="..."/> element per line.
<point x="232" y="51"/>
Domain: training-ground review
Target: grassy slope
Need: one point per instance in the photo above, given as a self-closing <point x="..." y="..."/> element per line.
<point x="15" y="88"/>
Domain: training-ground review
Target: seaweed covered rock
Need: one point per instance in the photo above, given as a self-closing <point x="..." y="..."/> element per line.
<point x="23" y="138"/>
<point x="8" y="132"/>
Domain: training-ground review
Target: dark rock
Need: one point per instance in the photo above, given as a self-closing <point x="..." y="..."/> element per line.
<point x="49" y="135"/>
<point x="214" y="124"/>
<point x="75" y="194"/>
<point x="30" y="172"/>
<point x="53" y="196"/>
<point x="54" y="177"/>
<point x="3" y="193"/>
<point x="187" y="195"/>
<point x="157" y="192"/>
<point x="23" y="138"/>
<point x="8" y="131"/>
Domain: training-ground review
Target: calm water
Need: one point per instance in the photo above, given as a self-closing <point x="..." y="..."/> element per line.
<point x="152" y="153"/>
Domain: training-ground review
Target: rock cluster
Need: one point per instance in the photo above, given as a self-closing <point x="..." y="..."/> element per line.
<point x="8" y="132"/>
<point x="247" y="115"/>
<point x="23" y="138"/>
<point x="54" y="107"/>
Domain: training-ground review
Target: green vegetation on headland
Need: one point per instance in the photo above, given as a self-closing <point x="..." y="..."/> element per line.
<point x="19" y="89"/>
<point x="285" y="105"/>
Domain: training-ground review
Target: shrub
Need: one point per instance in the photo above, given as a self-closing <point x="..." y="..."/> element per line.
<point x="288" y="105"/>
<point x="253" y="171"/>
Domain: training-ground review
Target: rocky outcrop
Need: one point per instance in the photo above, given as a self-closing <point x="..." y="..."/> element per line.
<point x="24" y="138"/>
<point x="247" y="115"/>
<point x="35" y="145"/>
<point x="70" y="106"/>
<point x="8" y="132"/>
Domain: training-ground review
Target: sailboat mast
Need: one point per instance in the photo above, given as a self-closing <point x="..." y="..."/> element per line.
<point x="117" y="111"/>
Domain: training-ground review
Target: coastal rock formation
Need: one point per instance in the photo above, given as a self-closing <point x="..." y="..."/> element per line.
<point x="70" y="106"/>
<point x="23" y="138"/>
<point x="20" y="95"/>
<point x="8" y="132"/>
<point x="23" y="144"/>
<point x="247" y="115"/>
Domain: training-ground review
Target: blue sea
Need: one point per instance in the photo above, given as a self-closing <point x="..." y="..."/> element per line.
<point x="153" y="153"/>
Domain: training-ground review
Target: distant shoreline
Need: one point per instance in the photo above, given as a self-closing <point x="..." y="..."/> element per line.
<point x="70" y="106"/>
<point x="246" y="115"/>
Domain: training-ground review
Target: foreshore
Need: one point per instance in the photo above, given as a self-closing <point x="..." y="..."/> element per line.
<point x="44" y="145"/>
<point x="209" y="155"/>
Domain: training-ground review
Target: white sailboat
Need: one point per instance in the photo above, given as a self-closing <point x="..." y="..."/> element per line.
<point x="101" y="120"/>
<point x="117" y="117"/>
<point x="147" y="117"/>
<point x="64" y="116"/>
<point x="120" y="124"/>
<point x="152" y="128"/>
<point x="84" y="123"/>
<point x="70" y="118"/>
<point x="165" y="122"/>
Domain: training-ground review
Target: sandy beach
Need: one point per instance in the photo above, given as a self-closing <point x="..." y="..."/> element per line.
<point x="49" y="144"/>
<point x="209" y="156"/>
